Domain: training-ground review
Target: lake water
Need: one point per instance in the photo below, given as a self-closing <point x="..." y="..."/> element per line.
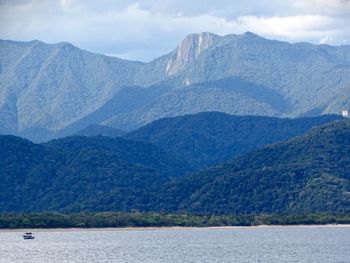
<point x="256" y="244"/>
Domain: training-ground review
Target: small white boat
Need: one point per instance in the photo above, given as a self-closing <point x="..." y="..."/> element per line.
<point x="28" y="235"/>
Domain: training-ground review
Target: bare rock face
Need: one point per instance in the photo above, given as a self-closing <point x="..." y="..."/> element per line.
<point x="188" y="50"/>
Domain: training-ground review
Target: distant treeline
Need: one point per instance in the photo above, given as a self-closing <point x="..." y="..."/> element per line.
<point x="137" y="219"/>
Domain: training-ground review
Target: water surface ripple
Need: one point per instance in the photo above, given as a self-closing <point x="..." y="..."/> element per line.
<point x="256" y="244"/>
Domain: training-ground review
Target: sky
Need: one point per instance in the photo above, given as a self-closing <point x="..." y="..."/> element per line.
<point x="144" y="30"/>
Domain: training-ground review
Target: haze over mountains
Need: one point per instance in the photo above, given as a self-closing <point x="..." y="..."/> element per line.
<point x="55" y="90"/>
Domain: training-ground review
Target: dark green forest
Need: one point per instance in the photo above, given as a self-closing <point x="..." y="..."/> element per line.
<point x="80" y="173"/>
<point x="308" y="174"/>
<point x="210" y="138"/>
<point x="137" y="219"/>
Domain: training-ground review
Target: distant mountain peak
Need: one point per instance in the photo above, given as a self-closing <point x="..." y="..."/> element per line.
<point x="247" y="36"/>
<point x="194" y="45"/>
<point x="250" y="34"/>
<point x="188" y="50"/>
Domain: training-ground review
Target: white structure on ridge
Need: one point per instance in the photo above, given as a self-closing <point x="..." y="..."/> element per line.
<point x="345" y="113"/>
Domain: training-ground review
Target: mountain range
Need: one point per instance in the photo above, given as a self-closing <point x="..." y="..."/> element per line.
<point x="209" y="138"/>
<point x="54" y="90"/>
<point x="169" y="172"/>
<point x="305" y="174"/>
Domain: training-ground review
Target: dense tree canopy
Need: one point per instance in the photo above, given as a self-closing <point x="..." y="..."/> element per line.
<point x="306" y="174"/>
<point x="209" y="138"/>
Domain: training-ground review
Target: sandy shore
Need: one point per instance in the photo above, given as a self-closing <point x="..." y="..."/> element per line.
<point x="164" y="228"/>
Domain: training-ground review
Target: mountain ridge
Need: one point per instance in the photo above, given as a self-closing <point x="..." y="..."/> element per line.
<point x="305" y="174"/>
<point x="209" y="138"/>
<point x="51" y="89"/>
<point x="301" y="175"/>
<point x="51" y="176"/>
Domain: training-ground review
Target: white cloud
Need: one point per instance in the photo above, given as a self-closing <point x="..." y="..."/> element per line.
<point x="146" y="29"/>
<point x="292" y="28"/>
<point x="330" y="7"/>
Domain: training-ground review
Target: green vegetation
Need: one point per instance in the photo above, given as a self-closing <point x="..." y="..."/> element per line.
<point x="80" y="173"/>
<point x="136" y="219"/>
<point x="97" y="129"/>
<point x="209" y="138"/>
<point x="307" y="174"/>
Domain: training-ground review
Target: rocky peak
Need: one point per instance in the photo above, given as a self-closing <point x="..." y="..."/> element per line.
<point x="188" y="50"/>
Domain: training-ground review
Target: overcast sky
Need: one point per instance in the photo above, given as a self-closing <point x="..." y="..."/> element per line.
<point x="143" y="30"/>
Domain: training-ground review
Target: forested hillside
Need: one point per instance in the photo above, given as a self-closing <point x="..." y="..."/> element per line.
<point x="306" y="174"/>
<point x="80" y="173"/>
<point x="209" y="138"/>
<point x="54" y="90"/>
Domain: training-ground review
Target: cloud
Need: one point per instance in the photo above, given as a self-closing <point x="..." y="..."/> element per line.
<point x="330" y="7"/>
<point x="143" y="30"/>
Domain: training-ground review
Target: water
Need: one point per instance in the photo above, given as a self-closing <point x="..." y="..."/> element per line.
<point x="262" y="244"/>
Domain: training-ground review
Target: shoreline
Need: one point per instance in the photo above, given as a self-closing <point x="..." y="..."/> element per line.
<point x="118" y="229"/>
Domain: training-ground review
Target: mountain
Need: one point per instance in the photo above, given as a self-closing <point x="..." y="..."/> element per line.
<point x="80" y="173"/>
<point x="249" y="75"/>
<point x="306" y="174"/>
<point x="209" y="138"/>
<point x="128" y="151"/>
<point x="96" y="129"/>
<point x="47" y="87"/>
<point x="54" y="90"/>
